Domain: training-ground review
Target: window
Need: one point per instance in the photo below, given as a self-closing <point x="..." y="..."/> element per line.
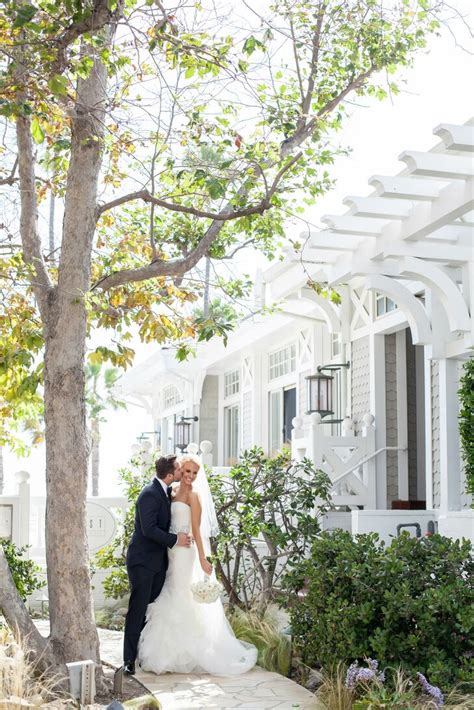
<point x="231" y="435"/>
<point x="171" y="396"/>
<point x="282" y="410"/>
<point x="384" y="305"/>
<point x="282" y="362"/>
<point x="231" y="383"/>
<point x="336" y="344"/>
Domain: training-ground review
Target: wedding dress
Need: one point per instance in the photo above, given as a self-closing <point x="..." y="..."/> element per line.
<point x="182" y="635"/>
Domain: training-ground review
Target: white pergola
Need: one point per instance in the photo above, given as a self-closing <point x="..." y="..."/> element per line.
<point x="413" y="234"/>
<point x="411" y="239"/>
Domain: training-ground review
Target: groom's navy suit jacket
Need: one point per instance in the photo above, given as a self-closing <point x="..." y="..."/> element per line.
<point x="151" y="537"/>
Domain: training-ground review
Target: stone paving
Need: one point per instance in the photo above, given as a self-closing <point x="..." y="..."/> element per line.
<point x="257" y="690"/>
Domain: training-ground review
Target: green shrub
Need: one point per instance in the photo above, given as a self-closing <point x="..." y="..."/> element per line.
<point x="466" y="423"/>
<point x="409" y="604"/>
<point x="24" y="571"/>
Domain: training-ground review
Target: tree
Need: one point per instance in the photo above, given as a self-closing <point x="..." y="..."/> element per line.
<point x="98" y="399"/>
<point x="165" y="139"/>
<point x="268" y="513"/>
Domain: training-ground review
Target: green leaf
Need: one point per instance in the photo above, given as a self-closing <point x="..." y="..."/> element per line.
<point x="36" y="131"/>
<point x="58" y="85"/>
<point x="24" y="15"/>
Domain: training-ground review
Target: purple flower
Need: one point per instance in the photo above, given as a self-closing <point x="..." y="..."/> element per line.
<point x="356" y="674"/>
<point x="351" y="675"/>
<point x="365" y="675"/>
<point x="373" y="664"/>
<point x="431" y="690"/>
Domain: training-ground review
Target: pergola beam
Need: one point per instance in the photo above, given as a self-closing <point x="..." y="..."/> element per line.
<point x="456" y="137"/>
<point x="438" y="165"/>
<point x="362" y="226"/>
<point x="453" y="201"/>
<point x="406" y="188"/>
<point x="379" y="207"/>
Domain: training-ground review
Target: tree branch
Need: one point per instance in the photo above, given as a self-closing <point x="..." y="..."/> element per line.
<point x="178" y="267"/>
<point x="100" y="16"/>
<point x="11" y="178"/>
<point x="30" y="237"/>
<point x="223" y="216"/>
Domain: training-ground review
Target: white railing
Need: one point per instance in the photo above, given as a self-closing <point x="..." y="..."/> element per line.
<point x="348" y="460"/>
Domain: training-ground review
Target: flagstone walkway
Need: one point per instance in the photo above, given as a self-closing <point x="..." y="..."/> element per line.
<point x="257" y="690"/>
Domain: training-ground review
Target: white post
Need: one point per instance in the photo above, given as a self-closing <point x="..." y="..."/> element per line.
<point x="315" y="440"/>
<point x="450" y="471"/>
<point x="23" y="478"/>
<point x="206" y="453"/>
<point x="370" y="467"/>
<point x="377" y="406"/>
<point x="402" y="415"/>
<point x="296" y="433"/>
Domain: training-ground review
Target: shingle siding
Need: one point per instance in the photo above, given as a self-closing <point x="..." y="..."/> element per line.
<point x="435" y="451"/>
<point x="391" y="416"/>
<point x="360" y="382"/>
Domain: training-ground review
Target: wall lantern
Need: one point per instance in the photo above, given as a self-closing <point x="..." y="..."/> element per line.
<point x="319" y="392"/>
<point x="182" y="432"/>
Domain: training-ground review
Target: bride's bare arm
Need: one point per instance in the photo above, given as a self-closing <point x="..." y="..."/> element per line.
<point x="196" y="526"/>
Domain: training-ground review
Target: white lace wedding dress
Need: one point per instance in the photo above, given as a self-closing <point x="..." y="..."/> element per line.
<point x="181" y="635"/>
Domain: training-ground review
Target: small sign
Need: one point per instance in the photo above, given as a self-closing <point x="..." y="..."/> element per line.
<point x="101" y="526"/>
<point x="6" y="521"/>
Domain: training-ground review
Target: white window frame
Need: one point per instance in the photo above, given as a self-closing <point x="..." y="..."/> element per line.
<point x="284" y="362"/>
<point x="171" y="396"/>
<point x="336" y="345"/>
<point x="387" y="306"/>
<point x="280" y="393"/>
<point x="231" y="440"/>
<point x="231" y="383"/>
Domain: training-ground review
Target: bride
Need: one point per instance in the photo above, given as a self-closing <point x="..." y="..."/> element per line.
<point x="182" y="635"/>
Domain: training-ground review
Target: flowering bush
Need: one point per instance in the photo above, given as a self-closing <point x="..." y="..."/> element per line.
<point x="409" y="604"/>
<point x="369" y="690"/>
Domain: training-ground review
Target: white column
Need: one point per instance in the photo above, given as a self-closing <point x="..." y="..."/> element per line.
<point x="23" y="478"/>
<point x="370" y="467"/>
<point x="428" y="431"/>
<point x="377" y="408"/>
<point x="421" y="414"/>
<point x="450" y="473"/>
<point x="402" y="418"/>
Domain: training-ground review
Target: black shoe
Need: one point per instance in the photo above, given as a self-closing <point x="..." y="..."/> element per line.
<point x="129" y="668"/>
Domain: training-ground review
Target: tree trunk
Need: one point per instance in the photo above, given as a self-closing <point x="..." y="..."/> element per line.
<point x="2" y="472"/>
<point x="19" y="621"/>
<point x="95" y="456"/>
<point x="73" y="631"/>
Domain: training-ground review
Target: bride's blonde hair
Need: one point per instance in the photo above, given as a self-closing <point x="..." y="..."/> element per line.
<point x="190" y="457"/>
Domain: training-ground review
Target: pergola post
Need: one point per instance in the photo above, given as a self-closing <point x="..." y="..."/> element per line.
<point x="450" y="471"/>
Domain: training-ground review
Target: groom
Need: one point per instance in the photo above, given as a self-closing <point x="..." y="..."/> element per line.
<point x="147" y="555"/>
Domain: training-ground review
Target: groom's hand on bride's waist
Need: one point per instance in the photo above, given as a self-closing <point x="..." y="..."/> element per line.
<point x="184" y="540"/>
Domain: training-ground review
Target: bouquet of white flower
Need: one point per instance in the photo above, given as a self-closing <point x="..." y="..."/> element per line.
<point x="206" y="591"/>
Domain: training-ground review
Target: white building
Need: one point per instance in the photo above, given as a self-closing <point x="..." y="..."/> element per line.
<point x="403" y="261"/>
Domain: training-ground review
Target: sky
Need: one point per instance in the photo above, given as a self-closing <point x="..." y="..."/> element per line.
<point x="438" y="90"/>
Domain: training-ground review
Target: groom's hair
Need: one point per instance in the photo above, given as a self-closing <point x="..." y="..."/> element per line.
<point x="165" y="465"/>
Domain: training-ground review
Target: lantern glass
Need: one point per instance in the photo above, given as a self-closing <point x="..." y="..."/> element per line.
<point x="182" y="434"/>
<point x="319" y="395"/>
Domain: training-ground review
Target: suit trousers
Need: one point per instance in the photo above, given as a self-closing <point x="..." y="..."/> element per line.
<point x="145" y="585"/>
